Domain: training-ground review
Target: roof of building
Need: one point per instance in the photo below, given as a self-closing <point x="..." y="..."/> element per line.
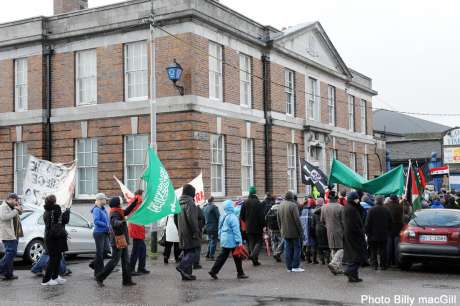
<point x="398" y="123"/>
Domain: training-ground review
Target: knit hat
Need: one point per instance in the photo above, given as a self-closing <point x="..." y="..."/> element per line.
<point x="353" y="196"/>
<point x="115" y="202"/>
<point x="252" y="190"/>
<point x="188" y="190"/>
<point x="13" y="196"/>
<point x="290" y="196"/>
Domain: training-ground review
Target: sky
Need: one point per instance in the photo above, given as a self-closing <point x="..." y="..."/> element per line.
<point x="410" y="48"/>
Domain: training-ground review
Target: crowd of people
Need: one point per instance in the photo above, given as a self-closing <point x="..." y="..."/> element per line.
<point x="344" y="231"/>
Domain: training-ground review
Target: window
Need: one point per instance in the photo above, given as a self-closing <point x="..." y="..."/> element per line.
<point x="215" y="71"/>
<point x="86" y="166"/>
<point x="365" y="167"/>
<point x="20" y="82"/>
<point x="245" y="80"/>
<point x="353" y="161"/>
<point x="351" y="113"/>
<point x="315" y="153"/>
<point x="77" y="221"/>
<point x="363" y="116"/>
<point x="136" y="74"/>
<point x="86" y="78"/>
<point x="135" y="157"/>
<point x="292" y="167"/>
<point x="217" y="165"/>
<point x="20" y="165"/>
<point x="331" y="104"/>
<point x="247" y="165"/>
<point x="289" y="91"/>
<point x="313" y="100"/>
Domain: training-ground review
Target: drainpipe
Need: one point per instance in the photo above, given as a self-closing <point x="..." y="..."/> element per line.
<point x="268" y="123"/>
<point x="48" y="52"/>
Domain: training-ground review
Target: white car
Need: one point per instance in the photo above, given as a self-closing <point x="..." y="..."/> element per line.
<point x="31" y="246"/>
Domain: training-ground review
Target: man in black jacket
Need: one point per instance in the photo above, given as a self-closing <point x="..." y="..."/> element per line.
<point x="212" y="215"/>
<point x="378" y="227"/>
<point x="252" y="213"/>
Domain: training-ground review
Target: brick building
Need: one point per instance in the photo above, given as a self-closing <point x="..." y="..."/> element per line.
<point x="75" y="86"/>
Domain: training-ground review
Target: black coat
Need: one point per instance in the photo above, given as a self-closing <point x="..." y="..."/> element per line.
<point x="51" y="218"/>
<point x="188" y="224"/>
<point x="354" y="243"/>
<point x="252" y="213"/>
<point x="397" y="217"/>
<point x="319" y="230"/>
<point x="378" y="223"/>
<point x="118" y="224"/>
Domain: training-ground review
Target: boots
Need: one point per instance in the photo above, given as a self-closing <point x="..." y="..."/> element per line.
<point x="308" y="255"/>
<point x="315" y="255"/>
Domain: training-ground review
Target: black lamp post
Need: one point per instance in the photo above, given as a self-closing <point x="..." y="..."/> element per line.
<point x="174" y="74"/>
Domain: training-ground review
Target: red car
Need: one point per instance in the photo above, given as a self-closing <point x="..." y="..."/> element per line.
<point x="431" y="235"/>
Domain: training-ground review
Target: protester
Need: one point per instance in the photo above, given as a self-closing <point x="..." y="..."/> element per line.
<point x="452" y="203"/>
<point x="331" y="215"/>
<point x="10" y="232"/>
<point x="252" y="214"/>
<point x="366" y="203"/>
<point x="211" y="215"/>
<point x="230" y="238"/>
<point x="42" y="262"/>
<point x="55" y="239"/>
<point x="436" y="203"/>
<point x="309" y="242"/>
<point x="137" y="233"/>
<point x="354" y="245"/>
<point x="397" y="222"/>
<point x="342" y="198"/>
<point x="120" y="242"/>
<point x="189" y="233"/>
<point x="201" y="225"/>
<point x="320" y="230"/>
<point x="268" y="202"/>
<point x="378" y="227"/>
<point x="100" y="232"/>
<point x="171" y="240"/>
<point x="291" y="231"/>
<point x="271" y="220"/>
<point x="407" y="210"/>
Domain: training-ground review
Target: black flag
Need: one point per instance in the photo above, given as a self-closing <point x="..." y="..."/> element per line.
<point x="312" y="175"/>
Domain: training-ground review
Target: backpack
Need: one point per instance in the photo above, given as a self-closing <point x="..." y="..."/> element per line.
<point x="271" y="219"/>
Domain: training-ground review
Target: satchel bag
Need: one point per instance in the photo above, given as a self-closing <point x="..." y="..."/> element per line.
<point x="57" y="230"/>
<point x="241" y="252"/>
<point x="162" y="241"/>
<point x="120" y="242"/>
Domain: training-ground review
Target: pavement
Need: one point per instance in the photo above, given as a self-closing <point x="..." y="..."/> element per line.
<point x="268" y="284"/>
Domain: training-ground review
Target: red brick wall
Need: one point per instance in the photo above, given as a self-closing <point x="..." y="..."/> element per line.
<point x="370" y="118"/>
<point x="324" y="103"/>
<point x="341" y="108"/>
<point x="300" y="95"/>
<point x="110" y="75"/>
<point x="6" y="161"/>
<point x="257" y="84"/>
<point x="231" y="76"/>
<point x="6" y="86"/>
<point x="199" y="66"/>
<point x="63" y="80"/>
<point x="35" y="82"/>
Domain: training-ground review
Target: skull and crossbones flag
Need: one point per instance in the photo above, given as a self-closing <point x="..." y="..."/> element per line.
<point x="312" y="175"/>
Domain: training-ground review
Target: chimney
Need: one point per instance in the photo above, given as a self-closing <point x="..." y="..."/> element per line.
<point x="66" y="6"/>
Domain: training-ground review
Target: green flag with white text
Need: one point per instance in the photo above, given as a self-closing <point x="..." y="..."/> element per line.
<point x="160" y="199"/>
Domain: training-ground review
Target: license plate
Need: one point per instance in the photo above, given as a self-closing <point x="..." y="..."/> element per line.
<point x="437" y="238"/>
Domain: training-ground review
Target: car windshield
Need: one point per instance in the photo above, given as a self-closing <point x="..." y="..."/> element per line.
<point x="436" y="218"/>
<point x="25" y="214"/>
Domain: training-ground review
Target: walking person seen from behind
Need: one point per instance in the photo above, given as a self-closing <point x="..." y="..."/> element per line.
<point x="100" y="232"/>
<point x="230" y="238"/>
<point x="211" y="215"/>
<point x="55" y="239"/>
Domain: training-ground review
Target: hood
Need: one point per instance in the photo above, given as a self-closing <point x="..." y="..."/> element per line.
<point x="95" y="206"/>
<point x="228" y="207"/>
<point x="185" y="200"/>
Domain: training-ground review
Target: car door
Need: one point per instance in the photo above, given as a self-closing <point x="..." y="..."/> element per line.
<point x="80" y="235"/>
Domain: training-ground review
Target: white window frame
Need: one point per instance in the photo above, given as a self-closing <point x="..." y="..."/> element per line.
<point x="351" y="113"/>
<point x="365" y="166"/>
<point x="20" y="152"/>
<point x="216" y="71"/>
<point x="94" y="141"/>
<point x="91" y="78"/>
<point x="313" y="100"/>
<point x="20" y="85"/>
<point x="353" y="161"/>
<point x="292" y="166"/>
<point x="289" y="91"/>
<point x="363" y="115"/>
<point x="136" y="51"/>
<point x="141" y="164"/>
<point x="245" y="81"/>
<point x="247" y="165"/>
<point x="331" y="104"/>
<point x="221" y="163"/>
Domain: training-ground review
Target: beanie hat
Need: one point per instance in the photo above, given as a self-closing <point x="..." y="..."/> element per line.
<point x="114" y="202"/>
<point x="252" y="190"/>
<point x="188" y="190"/>
<point x="353" y="196"/>
<point x="290" y="196"/>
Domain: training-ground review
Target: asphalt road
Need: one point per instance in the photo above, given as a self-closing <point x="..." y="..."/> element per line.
<point x="268" y="285"/>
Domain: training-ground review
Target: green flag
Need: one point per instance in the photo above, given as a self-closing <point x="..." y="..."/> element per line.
<point x="160" y="199"/>
<point x="341" y="174"/>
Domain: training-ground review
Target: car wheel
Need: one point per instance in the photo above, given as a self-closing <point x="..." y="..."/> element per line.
<point x="34" y="250"/>
<point x="404" y="264"/>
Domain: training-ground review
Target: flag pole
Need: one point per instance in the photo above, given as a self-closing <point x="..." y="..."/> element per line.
<point x="409" y="171"/>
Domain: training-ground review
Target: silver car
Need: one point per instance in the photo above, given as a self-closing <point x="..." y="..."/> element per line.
<point x="31" y="246"/>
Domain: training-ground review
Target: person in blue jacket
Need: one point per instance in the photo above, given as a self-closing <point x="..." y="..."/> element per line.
<point x="436" y="203"/>
<point x="230" y="238"/>
<point x="101" y="231"/>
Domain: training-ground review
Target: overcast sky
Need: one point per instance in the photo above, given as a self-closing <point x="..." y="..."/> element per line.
<point x="409" y="48"/>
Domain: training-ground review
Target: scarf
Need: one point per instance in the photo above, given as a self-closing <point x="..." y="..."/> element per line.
<point x="118" y="210"/>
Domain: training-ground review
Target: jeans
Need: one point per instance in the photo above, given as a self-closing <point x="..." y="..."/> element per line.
<point x="255" y="244"/>
<point x="277" y="243"/>
<point x="43" y="262"/>
<point x="100" y="239"/>
<point x="292" y="253"/>
<point x="117" y="254"/>
<point x="52" y="269"/>
<point x="189" y="259"/>
<point x="220" y="261"/>
<point x="392" y="250"/>
<point x="351" y="269"/>
<point x="6" y="264"/>
<point x="378" y="248"/>
<point x="139" y="252"/>
<point x="167" y="250"/>
<point x="212" y="243"/>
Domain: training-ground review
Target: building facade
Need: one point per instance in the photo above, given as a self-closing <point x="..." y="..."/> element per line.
<point x="76" y="87"/>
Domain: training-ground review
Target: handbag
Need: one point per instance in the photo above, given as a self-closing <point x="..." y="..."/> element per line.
<point x="240" y="252"/>
<point x="120" y="242"/>
<point x="162" y="241"/>
<point x="57" y="230"/>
